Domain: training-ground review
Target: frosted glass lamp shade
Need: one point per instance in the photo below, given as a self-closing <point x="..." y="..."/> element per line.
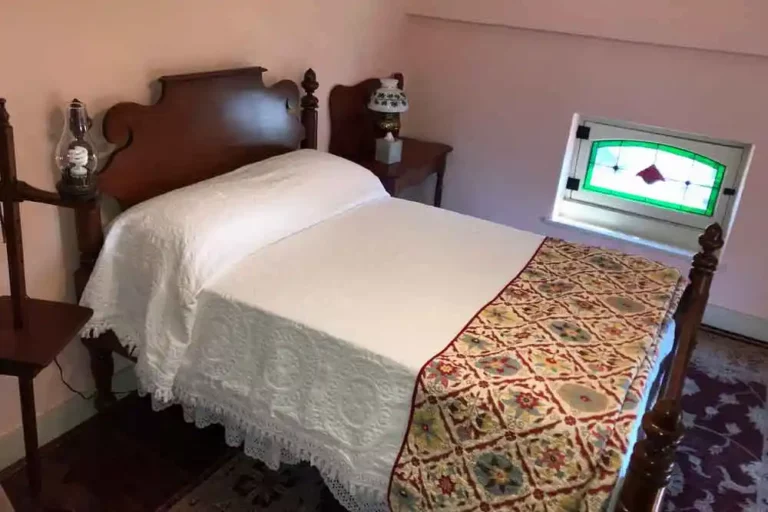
<point x="388" y="99"/>
<point x="75" y="154"/>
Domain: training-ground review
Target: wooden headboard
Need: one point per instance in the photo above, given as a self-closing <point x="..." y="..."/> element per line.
<point x="204" y="124"/>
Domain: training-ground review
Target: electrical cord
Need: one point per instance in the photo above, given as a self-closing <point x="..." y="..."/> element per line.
<point x="68" y="386"/>
<point x="80" y="393"/>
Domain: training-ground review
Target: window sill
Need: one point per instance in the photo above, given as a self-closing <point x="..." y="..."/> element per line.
<point x="617" y="235"/>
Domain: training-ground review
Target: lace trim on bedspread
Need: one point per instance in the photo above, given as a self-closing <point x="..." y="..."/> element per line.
<point x="291" y="394"/>
<point x="271" y="443"/>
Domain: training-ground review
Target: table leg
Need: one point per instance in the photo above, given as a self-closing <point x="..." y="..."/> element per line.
<point x="29" y="423"/>
<point x="102" y="369"/>
<point x="439" y="188"/>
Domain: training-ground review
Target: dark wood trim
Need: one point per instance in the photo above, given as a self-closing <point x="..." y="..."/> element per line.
<point x="90" y="238"/>
<point x="420" y="160"/>
<point x="12" y="220"/>
<point x="33" y="331"/>
<point x="102" y="365"/>
<point x="309" y="104"/>
<point x="221" y="73"/>
<point x="230" y="118"/>
<point x="653" y="457"/>
<point x="26" y="192"/>
<point x="29" y="426"/>
<point x="102" y="370"/>
<point x="438" y="200"/>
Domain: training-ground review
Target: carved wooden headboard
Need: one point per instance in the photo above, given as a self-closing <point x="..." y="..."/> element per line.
<point x="204" y="124"/>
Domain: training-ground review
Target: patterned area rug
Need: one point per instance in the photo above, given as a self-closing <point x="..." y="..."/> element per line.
<point x="245" y="485"/>
<point x="722" y="462"/>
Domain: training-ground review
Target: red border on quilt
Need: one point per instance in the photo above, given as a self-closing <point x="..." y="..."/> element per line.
<point x="424" y="366"/>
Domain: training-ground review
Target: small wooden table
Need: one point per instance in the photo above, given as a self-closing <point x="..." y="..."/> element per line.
<point x="353" y="136"/>
<point x="32" y="331"/>
<point x="420" y="160"/>
<point x="25" y="352"/>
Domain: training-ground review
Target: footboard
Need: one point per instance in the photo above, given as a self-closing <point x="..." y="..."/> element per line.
<point x="653" y="458"/>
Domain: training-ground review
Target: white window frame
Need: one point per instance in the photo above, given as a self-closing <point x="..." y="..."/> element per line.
<point x="669" y="230"/>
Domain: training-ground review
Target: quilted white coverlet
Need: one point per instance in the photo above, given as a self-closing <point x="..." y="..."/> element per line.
<point x="159" y="255"/>
<point x="309" y="348"/>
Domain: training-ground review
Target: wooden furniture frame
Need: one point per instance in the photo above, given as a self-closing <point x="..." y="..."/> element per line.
<point x="32" y="331"/>
<point x="213" y="113"/>
<point x="420" y="160"/>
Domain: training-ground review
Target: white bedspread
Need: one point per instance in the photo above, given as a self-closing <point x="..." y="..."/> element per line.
<point x="310" y="347"/>
<point x="159" y="254"/>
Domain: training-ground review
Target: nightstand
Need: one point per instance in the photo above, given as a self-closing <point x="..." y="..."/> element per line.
<point x="420" y="160"/>
<point x="32" y="331"/>
<point x="353" y="136"/>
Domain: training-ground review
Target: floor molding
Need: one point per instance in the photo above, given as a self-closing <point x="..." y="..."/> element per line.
<point x="729" y="321"/>
<point x="58" y="420"/>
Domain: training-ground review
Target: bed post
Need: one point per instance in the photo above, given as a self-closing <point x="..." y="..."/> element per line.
<point x="89" y="241"/>
<point x="653" y="458"/>
<point x="90" y="238"/>
<point x="309" y="103"/>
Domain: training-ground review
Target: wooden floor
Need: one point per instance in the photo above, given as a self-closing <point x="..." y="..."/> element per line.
<point x="128" y="459"/>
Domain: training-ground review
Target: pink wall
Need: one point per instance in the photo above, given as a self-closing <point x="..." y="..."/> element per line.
<point x="735" y="26"/>
<point x="112" y="53"/>
<point x="505" y="99"/>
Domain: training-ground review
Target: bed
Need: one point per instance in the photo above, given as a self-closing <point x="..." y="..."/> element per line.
<point x="314" y="336"/>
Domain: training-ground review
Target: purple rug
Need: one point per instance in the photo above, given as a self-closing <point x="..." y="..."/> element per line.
<point x="722" y="463"/>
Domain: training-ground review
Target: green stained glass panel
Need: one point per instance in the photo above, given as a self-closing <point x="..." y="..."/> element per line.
<point x="655" y="174"/>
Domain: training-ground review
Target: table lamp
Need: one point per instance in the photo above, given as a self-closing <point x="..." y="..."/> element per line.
<point x="75" y="154"/>
<point x="389" y="102"/>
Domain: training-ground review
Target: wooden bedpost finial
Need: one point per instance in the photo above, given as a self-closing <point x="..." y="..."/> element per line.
<point x="663" y="429"/>
<point x="711" y="241"/>
<point x="309" y="103"/>
<point x="650" y="467"/>
<point x="310" y="85"/>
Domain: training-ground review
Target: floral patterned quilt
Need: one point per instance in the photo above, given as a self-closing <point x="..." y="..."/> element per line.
<point x="531" y="406"/>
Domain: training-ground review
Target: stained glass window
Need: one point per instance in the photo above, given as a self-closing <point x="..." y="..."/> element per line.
<point x="655" y="174"/>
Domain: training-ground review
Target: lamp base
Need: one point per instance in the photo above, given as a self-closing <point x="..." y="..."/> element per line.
<point x="77" y="192"/>
<point x="389" y="151"/>
<point x="388" y="123"/>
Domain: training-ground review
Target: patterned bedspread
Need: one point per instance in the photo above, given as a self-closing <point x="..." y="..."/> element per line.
<point x="531" y="406"/>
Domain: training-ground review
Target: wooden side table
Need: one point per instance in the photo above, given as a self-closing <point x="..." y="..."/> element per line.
<point x="353" y="137"/>
<point x="32" y="331"/>
<point x="420" y="160"/>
